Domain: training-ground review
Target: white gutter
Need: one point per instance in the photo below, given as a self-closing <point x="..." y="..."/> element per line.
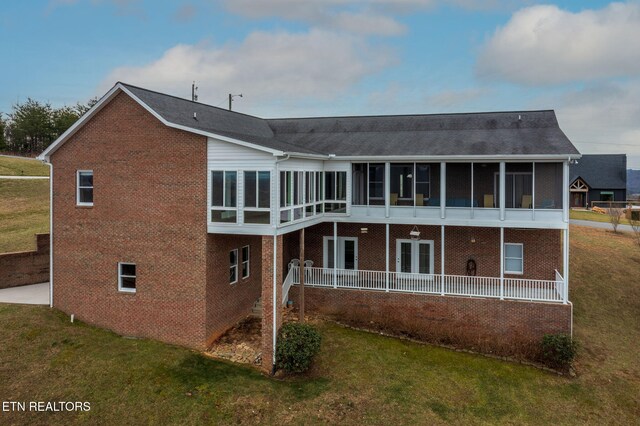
<point x="561" y="157"/>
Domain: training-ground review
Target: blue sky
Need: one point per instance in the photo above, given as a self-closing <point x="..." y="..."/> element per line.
<point x="341" y="57"/>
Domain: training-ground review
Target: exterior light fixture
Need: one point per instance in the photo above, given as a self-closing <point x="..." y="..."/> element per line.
<point x="364" y="230"/>
<point x="473" y="239"/>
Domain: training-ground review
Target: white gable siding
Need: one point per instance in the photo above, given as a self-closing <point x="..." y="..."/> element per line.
<point x="227" y="155"/>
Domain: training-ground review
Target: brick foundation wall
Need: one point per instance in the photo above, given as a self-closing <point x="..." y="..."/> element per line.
<point x="27" y="267"/>
<point x="504" y="327"/>
<point x="542" y="247"/>
<point x="149" y="208"/>
<point x="228" y="303"/>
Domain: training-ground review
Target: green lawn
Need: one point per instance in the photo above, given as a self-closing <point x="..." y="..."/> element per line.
<point x="359" y="377"/>
<point x="24" y="211"/>
<point x="593" y="216"/>
<point x="10" y="166"/>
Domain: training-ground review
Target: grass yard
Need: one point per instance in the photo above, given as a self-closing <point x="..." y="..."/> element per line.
<point x="593" y="216"/>
<point x="10" y="166"/>
<point x="24" y="211"/>
<point x="359" y="378"/>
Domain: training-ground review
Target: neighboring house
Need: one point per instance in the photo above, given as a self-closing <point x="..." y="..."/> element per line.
<point x="601" y="177"/>
<point x="172" y="218"/>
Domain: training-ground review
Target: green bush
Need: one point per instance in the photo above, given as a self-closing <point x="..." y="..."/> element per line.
<point x="558" y="350"/>
<point x="297" y="345"/>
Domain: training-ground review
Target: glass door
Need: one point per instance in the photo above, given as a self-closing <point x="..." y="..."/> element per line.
<point x="347" y="253"/>
<point x="414" y="257"/>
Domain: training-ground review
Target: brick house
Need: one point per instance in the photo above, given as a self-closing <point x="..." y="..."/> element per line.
<point x="171" y="218"/>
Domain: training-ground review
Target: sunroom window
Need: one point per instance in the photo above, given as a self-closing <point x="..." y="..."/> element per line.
<point x="224" y="192"/>
<point x="257" y="197"/>
<point x="335" y="192"/>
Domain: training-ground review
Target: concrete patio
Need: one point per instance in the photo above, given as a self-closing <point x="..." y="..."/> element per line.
<point x="36" y="294"/>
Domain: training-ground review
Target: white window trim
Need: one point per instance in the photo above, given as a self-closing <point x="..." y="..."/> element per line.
<point x="247" y="261"/>
<point x="120" y="276"/>
<point x="78" y="187"/>
<point x="340" y="247"/>
<point x="415" y="251"/>
<point x="256" y="209"/>
<point x="232" y="266"/>
<point x="224" y="195"/>
<point x="521" y="259"/>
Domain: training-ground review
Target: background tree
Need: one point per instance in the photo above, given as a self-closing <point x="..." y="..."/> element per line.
<point x="31" y="127"/>
<point x="3" y="127"/>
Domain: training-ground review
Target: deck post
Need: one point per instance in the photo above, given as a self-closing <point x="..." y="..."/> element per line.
<point x="387" y="259"/>
<point x="335" y="254"/>
<point x="501" y="261"/>
<point x="301" y="277"/>
<point x="387" y="188"/>
<point x="565" y="191"/>
<point x="442" y="260"/>
<point x="565" y="268"/>
<point x="502" y="188"/>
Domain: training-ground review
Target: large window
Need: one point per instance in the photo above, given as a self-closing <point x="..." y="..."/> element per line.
<point x="376" y="184"/>
<point x="224" y="189"/>
<point x="127" y="277"/>
<point x="246" y="261"/>
<point x="257" y="197"/>
<point x="84" y="188"/>
<point x="233" y="266"/>
<point x="518" y="193"/>
<point x="458" y="185"/>
<point x="401" y="185"/>
<point x="513" y="258"/>
<point x="335" y="192"/>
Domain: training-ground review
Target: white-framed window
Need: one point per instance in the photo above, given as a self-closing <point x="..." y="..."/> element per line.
<point x="246" y="261"/>
<point x="335" y="192"/>
<point x="257" y="197"/>
<point x="513" y="258"/>
<point x="233" y="266"/>
<point x="127" y="277"/>
<point x="224" y="196"/>
<point x="84" y="188"/>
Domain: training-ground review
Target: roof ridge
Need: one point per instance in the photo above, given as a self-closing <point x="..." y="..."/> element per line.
<point x="411" y="115"/>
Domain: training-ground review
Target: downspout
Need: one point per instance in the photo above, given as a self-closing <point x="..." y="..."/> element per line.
<point x="275" y="264"/>
<point x="50" y="232"/>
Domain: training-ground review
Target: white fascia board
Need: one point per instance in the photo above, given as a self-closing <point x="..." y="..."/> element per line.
<point x="307" y="156"/>
<point x="46" y="154"/>
<point x="427" y="158"/>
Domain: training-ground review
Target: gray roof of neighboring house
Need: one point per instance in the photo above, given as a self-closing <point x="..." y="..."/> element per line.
<point x="491" y="133"/>
<point x="604" y="171"/>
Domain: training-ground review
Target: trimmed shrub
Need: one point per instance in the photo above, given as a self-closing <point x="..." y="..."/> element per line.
<point x="297" y="345"/>
<point x="558" y="350"/>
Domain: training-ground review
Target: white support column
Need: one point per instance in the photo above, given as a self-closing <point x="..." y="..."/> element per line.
<point x="502" y="188"/>
<point x="565" y="267"/>
<point x="335" y="254"/>
<point x="471" y="205"/>
<point x="387" y="258"/>
<point x="442" y="260"/>
<point x="387" y="188"/>
<point x="443" y="189"/>
<point x="565" y="191"/>
<point x="533" y="191"/>
<point x="501" y="263"/>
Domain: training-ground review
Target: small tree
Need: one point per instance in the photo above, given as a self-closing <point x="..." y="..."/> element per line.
<point x="615" y="216"/>
<point x="635" y="226"/>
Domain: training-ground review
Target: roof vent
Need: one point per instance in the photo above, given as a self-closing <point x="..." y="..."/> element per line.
<point x="195" y="116"/>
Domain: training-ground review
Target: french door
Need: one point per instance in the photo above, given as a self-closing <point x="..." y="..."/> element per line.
<point x="347" y="249"/>
<point x="414" y="257"/>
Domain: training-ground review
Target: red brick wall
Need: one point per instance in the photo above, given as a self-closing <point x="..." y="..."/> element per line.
<point x="229" y="303"/>
<point x="267" y="297"/>
<point x="542" y="247"/>
<point x="27" y="267"/>
<point x="149" y="208"/>
<point x="488" y="325"/>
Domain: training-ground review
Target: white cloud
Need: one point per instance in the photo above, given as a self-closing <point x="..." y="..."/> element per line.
<point x="603" y="118"/>
<point x="265" y="67"/>
<point x="546" y="45"/>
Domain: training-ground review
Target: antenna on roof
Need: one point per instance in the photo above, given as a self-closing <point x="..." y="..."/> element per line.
<point x="231" y="99"/>
<point x="194" y="92"/>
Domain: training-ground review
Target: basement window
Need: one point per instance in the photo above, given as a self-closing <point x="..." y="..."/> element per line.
<point x="127" y="277"/>
<point x="84" y="188"/>
<point x="233" y="266"/>
<point x="513" y="258"/>
<point x="245" y="262"/>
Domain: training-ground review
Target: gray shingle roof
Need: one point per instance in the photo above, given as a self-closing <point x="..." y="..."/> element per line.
<point x="491" y="133"/>
<point x="605" y="171"/>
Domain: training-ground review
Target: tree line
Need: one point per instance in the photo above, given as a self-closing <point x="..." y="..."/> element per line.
<point x="32" y="126"/>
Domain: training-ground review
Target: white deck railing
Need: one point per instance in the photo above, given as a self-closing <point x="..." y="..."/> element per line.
<point x="456" y="285"/>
